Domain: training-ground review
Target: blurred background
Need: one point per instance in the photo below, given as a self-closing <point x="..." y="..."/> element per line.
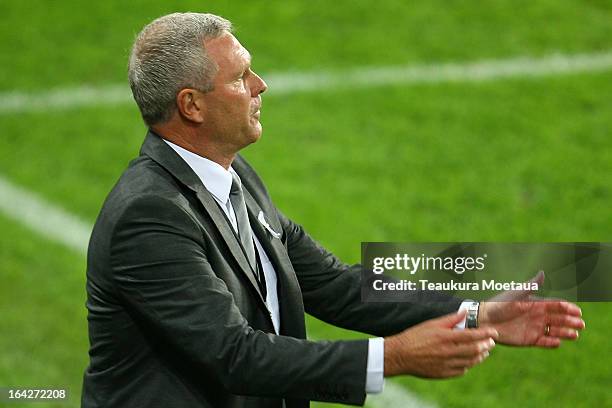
<point x="517" y="149"/>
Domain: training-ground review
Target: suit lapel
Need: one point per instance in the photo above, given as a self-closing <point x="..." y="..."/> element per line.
<point x="160" y="152"/>
<point x="273" y="246"/>
<point x="222" y="224"/>
<point x="290" y="295"/>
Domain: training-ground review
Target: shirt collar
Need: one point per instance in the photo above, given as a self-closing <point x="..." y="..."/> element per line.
<point x="215" y="177"/>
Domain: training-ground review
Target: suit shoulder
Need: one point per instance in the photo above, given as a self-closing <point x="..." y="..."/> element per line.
<point x="143" y="184"/>
<point x="144" y="177"/>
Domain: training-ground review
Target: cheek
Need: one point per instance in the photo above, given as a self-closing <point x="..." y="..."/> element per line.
<point x="233" y="106"/>
<point x="238" y="100"/>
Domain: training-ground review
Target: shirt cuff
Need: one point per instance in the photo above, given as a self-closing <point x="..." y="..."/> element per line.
<point x="464" y="305"/>
<point x="375" y="379"/>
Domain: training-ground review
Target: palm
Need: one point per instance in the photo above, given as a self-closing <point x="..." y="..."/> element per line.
<point x="521" y="319"/>
<point x="519" y="323"/>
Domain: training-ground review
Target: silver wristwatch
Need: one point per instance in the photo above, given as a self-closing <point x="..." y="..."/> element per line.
<point x="471" y="318"/>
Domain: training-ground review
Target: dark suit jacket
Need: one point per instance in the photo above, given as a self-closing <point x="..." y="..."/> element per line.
<point x="176" y="318"/>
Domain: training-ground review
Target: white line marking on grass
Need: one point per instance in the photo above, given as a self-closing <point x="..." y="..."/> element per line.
<point x="292" y="82"/>
<point x="60" y="226"/>
<point x="394" y="395"/>
<point x="65" y="98"/>
<point x="43" y="217"/>
<point x="486" y="70"/>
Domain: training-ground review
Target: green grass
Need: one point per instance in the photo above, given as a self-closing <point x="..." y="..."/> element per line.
<point x="511" y="160"/>
<point x="42" y="304"/>
<point x="49" y="44"/>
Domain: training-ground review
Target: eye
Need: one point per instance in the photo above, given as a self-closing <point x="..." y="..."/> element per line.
<point x="241" y="76"/>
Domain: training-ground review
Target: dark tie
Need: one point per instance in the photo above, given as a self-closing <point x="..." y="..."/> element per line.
<point x="244" y="229"/>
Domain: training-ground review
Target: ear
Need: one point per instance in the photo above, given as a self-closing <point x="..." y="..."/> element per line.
<point x="191" y="105"/>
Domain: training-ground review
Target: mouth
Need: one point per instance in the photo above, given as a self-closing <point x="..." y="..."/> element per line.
<point x="256" y="111"/>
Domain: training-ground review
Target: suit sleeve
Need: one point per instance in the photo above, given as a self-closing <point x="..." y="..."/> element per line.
<point x="332" y="291"/>
<point x="161" y="271"/>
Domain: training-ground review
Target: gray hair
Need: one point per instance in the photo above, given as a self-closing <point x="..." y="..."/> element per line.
<point x="167" y="56"/>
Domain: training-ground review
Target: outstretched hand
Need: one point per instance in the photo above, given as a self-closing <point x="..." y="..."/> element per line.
<point x="524" y="320"/>
<point x="433" y="349"/>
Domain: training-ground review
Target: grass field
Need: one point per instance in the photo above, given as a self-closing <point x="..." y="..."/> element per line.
<point x="521" y="159"/>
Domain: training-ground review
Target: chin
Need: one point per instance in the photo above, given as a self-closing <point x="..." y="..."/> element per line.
<point x="250" y="139"/>
<point x="250" y="134"/>
<point x="255" y="138"/>
<point x="256" y="134"/>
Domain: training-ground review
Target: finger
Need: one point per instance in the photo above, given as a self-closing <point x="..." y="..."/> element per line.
<point x="563" y="333"/>
<point x="472" y="335"/>
<point x="456" y="372"/>
<point x="548" y="342"/>
<point x="564" y="308"/>
<point x="562" y="320"/>
<point x="468" y="362"/>
<point x="449" y="320"/>
<point x="471" y="350"/>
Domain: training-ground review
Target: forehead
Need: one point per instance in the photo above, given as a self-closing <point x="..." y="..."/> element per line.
<point x="228" y="54"/>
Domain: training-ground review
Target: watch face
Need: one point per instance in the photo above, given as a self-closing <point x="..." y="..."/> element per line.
<point x="472" y="316"/>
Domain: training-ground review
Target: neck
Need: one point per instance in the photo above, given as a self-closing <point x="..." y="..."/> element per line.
<point x="188" y="139"/>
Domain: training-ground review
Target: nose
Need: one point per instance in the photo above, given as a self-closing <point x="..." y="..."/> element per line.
<point x="259" y="85"/>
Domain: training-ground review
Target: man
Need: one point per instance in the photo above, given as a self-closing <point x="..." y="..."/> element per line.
<point x="197" y="284"/>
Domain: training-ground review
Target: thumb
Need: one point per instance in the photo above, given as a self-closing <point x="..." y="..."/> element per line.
<point x="522" y="294"/>
<point x="539" y="278"/>
<point x="450" y="320"/>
